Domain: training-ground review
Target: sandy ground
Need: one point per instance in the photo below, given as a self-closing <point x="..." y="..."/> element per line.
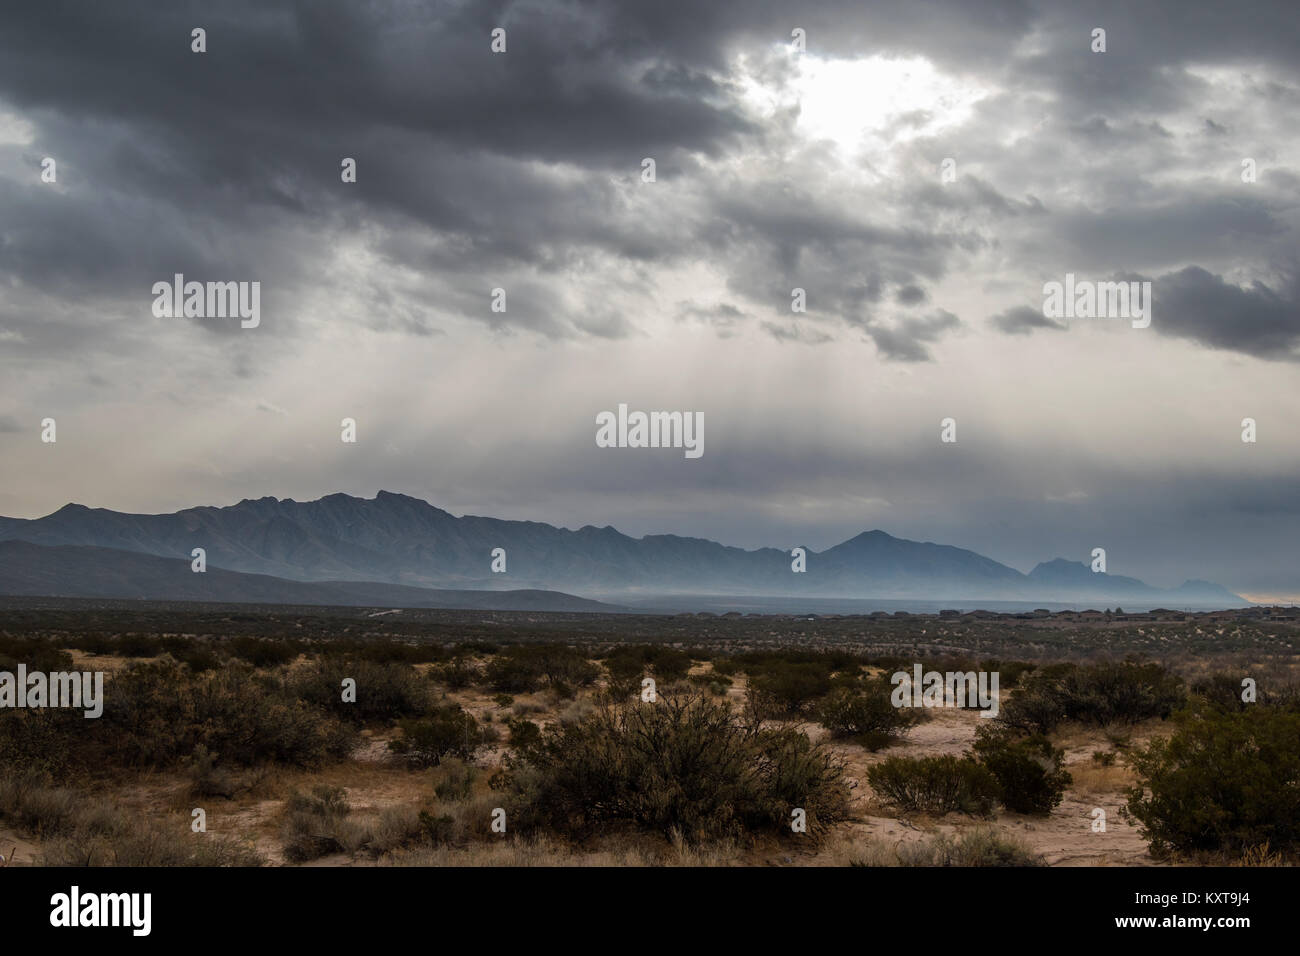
<point x="1064" y="838"/>
<point x="16" y="849"/>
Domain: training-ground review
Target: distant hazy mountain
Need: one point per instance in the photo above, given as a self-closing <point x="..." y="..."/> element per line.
<point x="80" y="571"/>
<point x="1078" y="578"/>
<point x="1074" y="577"/>
<point x="397" y="539"/>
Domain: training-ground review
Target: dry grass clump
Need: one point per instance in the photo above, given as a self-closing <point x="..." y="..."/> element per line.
<point x="86" y="831"/>
<point x="981" y="846"/>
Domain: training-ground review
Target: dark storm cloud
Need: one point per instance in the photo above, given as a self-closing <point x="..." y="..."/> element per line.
<point x="786" y="237"/>
<point x="245" y="140"/>
<point x="910" y="295"/>
<point x="1171" y="229"/>
<point x="971" y="194"/>
<point x="905" y="340"/>
<point x="1023" y="320"/>
<point x="1148" y="47"/>
<point x="1255" y="319"/>
<point x="794" y="332"/>
<point x="227" y="164"/>
<point x="724" y="317"/>
<point x="976" y="32"/>
<point x="562" y="93"/>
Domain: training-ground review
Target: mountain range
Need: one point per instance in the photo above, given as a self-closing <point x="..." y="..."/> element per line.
<point x="33" y="570"/>
<point x="344" y="543"/>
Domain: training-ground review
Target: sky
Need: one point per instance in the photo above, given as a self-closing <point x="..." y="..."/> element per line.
<point x="775" y="168"/>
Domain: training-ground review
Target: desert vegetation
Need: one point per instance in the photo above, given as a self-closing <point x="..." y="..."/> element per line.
<point x="332" y="739"/>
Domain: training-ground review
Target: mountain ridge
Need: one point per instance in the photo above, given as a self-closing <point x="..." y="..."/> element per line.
<point x="398" y="539"/>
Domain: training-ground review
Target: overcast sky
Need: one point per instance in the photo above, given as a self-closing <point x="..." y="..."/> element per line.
<point x="775" y="169"/>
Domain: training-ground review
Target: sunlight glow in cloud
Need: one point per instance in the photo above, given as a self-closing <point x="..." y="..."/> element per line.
<point x="863" y="106"/>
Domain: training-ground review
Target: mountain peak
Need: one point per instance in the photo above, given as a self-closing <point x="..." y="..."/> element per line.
<point x="396" y="497"/>
<point x="874" y="536"/>
<point x="609" y="529"/>
<point x="1058" y="564"/>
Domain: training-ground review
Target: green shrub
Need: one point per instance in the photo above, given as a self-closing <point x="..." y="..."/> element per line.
<point x="459" y="673"/>
<point x="263" y="653"/>
<point x="523" y="733"/>
<point x="1038" y="707"/>
<point x="625" y="665"/>
<point x="560" y="664"/>
<point x="938" y="785"/>
<point x="1223" y="691"/>
<point x="37" y="654"/>
<point x="727" y="665"/>
<point x="1027" y="769"/>
<point x="523" y="668"/>
<point x="787" y="689"/>
<point x="668" y="664"/>
<point x="1224" y="781"/>
<point x="682" y="766"/>
<point x="866" y="713"/>
<point x="665" y="664"/>
<point x="1220" y="691"/>
<point x="1125" y="692"/>
<point x="384" y="692"/>
<point x="620" y="687"/>
<point x="448" y="732"/>
<point x="437" y="828"/>
<point x="158" y="714"/>
<point x="198" y="657"/>
<point x="830" y="661"/>
<point x="120" y="645"/>
<point x="1010" y="673"/>
<point x="379" y="651"/>
<point x="1104" y="693"/>
<point x="46" y="741"/>
<point x="509" y="674"/>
